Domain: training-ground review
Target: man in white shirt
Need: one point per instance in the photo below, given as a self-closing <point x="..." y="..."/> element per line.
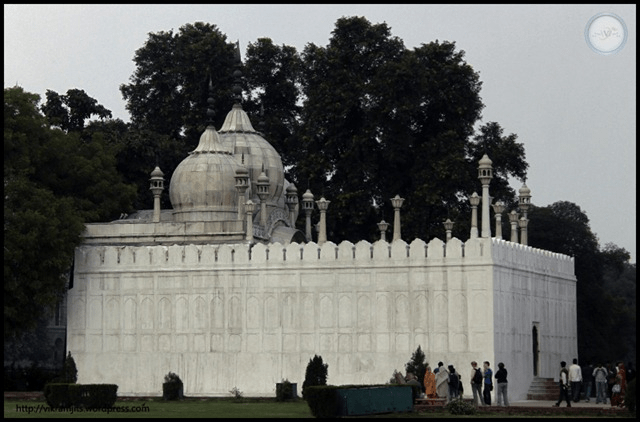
<point x="575" y="377"/>
<point x="564" y="385"/>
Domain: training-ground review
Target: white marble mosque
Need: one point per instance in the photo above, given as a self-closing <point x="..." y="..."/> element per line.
<point x="224" y="291"/>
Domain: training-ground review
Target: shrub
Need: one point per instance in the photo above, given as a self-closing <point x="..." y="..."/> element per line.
<point x="322" y="400"/>
<point x="236" y="393"/>
<point x="284" y="391"/>
<point x="417" y="366"/>
<point x="93" y="396"/>
<point x="460" y="407"/>
<point x="316" y="374"/>
<point x="69" y="370"/>
<point x="57" y="395"/>
<point x="172" y="388"/>
<point x="172" y="378"/>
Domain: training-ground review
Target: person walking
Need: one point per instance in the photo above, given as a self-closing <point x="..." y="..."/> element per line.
<point x="564" y="385"/>
<point x="488" y="383"/>
<point x="501" y="380"/>
<point x="600" y="376"/>
<point x="476" y="384"/>
<point x="575" y="377"/>
<point x="587" y="381"/>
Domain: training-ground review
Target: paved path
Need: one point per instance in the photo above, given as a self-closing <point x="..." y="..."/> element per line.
<point x="549" y="403"/>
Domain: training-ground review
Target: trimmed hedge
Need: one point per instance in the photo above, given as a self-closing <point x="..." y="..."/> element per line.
<point x="57" y="395"/>
<point x="87" y="396"/>
<point x="322" y="400"/>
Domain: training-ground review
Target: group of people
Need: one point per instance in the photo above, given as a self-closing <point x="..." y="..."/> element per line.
<point x="447" y="383"/>
<point x="482" y="384"/>
<point x="443" y="382"/>
<point x="610" y="382"/>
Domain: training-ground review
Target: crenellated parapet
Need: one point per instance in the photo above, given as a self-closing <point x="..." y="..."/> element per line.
<point x="527" y="258"/>
<point x="363" y="253"/>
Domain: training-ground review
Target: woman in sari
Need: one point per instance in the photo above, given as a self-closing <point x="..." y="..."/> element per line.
<point x="430" y="383"/>
<point x="620" y="388"/>
<point x="442" y="381"/>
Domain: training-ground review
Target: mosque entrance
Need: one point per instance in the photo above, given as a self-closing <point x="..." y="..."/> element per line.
<point x="536" y="349"/>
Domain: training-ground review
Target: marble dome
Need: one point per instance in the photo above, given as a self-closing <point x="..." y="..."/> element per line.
<point x="238" y="135"/>
<point x="202" y="187"/>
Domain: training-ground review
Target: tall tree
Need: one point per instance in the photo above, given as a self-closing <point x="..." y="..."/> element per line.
<point x="168" y="93"/>
<point x="70" y="111"/>
<point x="272" y="76"/>
<point x="563" y="227"/>
<point x="357" y="121"/>
<point x="53" y="183"/>
<point x="167" y="99"/>
<point x="380" y="120"/>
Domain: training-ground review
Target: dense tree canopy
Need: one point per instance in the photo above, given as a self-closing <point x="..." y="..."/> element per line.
<point x="606" y="314"/>
<point x="381" y="120"/>
<point x="358" y="121"/>
<point x="54" y="182"/>
<point x="70" y="111"/>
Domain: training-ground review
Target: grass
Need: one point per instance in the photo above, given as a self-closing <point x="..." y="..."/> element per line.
<point x="157" y="408"/>
<point x="227" y="408"/>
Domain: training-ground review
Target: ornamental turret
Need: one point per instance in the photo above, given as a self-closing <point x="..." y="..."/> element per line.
<point x="485" y="174"/>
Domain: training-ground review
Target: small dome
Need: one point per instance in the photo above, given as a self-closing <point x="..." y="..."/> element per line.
<point x="291" y="189"/>
<point x="263" y="179"/>
<point x="485" y="161"/>
<point x="157" y="172"/>
<point x="308" y="196"/>
<point x="524" y="190"/>
<point x="238" y="135"/>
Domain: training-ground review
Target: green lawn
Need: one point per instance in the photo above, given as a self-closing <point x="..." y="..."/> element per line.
<point x="157" y="408"/>
<point x="226" y="408"/>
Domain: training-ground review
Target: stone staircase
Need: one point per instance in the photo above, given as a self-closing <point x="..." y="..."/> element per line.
<point x="543" y="389"/>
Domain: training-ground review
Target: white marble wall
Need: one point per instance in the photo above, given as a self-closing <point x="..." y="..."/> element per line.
<point x="533" y="287"/>
<point x="224" y="316"/>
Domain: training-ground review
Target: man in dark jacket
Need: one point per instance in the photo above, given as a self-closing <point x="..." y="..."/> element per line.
<point x="501" y="379"/>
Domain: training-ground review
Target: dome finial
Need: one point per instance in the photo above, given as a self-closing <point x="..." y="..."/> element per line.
<point x="237" y="75"/>
<point x="210" y="102"/>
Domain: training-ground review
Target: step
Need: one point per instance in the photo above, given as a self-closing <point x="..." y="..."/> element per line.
<point x="543" y="389"/>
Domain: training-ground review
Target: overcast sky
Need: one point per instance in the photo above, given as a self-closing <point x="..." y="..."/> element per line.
<point x="573" y="108"/>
